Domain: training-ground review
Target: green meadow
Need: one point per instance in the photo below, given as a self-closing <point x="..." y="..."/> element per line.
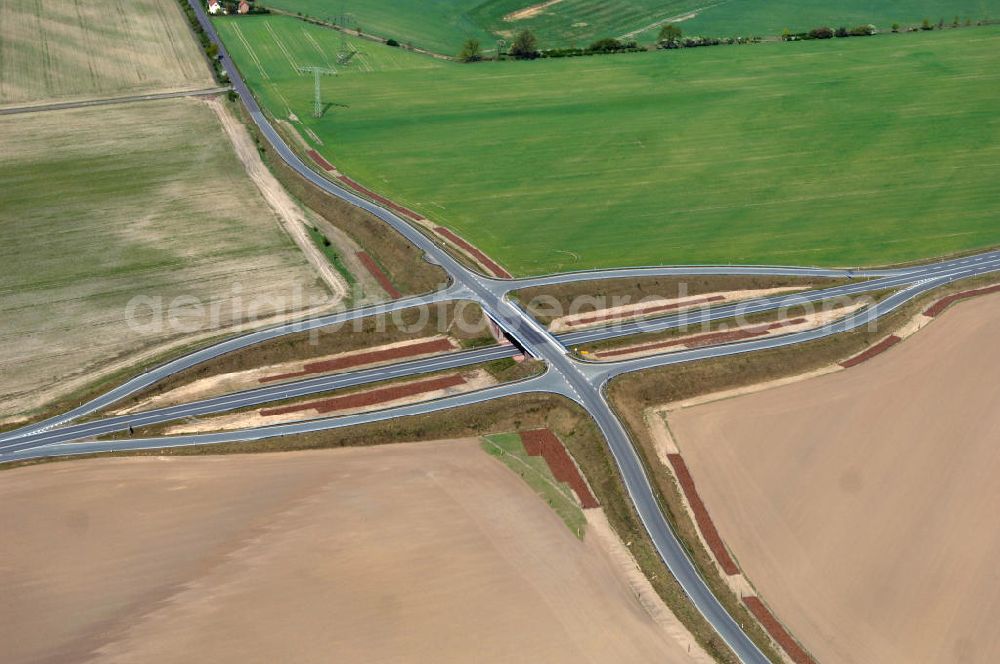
<point x="442" y="25"/>
<point x="844" y="152"/>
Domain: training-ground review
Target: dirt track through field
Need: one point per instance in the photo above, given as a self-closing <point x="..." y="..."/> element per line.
<point x="861" y="503"/>
<point x="398" y="553"/>
<point x="290" y="215"/>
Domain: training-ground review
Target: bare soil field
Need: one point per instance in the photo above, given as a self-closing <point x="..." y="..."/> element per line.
<point x="60" y="50"/>
<point x="398" y="553"/>
<point x="100" y="206"/>
<point x="860" y="503"/>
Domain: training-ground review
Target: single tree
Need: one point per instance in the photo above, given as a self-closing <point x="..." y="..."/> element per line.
<point x="669" y="34"/>
<point x="525" y="45"/>
<point x="926" y="25"/>
<point x="471" y="51"/>
<point x="895" y="27"/>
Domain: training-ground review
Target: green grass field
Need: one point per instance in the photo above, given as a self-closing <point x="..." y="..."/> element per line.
<point x="847" y="152"/>
<point x="442" y="25"/>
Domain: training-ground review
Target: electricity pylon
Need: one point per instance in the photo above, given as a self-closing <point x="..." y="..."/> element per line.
<point x="347" y="50"/>
<point x="318" y="100"/>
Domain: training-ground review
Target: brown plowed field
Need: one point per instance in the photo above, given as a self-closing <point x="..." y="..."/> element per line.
<point x="417" y="552"/>
<point x="542" y="442"/>
<point x="862" y="504"/>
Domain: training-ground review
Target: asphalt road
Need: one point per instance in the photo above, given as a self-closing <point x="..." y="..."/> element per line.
<point x="579" y="381"/>
<point x="328" y="383"/>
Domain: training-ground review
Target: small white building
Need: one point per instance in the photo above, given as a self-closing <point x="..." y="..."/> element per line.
<point x="214" y="6"/>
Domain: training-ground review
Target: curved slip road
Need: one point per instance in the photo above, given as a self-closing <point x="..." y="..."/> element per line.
<point x="565" y="376"/>
<point x="229" y="345"/>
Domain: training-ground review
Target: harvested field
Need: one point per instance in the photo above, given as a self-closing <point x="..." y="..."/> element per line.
<point x="152" y="559"/>
<point x="115" y="220"/>
<point x="855" y="501"/>
<point x="60" y="50"/>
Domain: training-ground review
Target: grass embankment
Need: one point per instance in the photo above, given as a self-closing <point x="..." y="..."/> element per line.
<point x="462" y="320"/>
<point x="545" y="302"/>
<point x="508" y="448"/>
<point x="502" y="371"/>
<point x="323" y="243"/>
<point x="821" y="152"/>
<point x="721" y="325"/>
<point x="403" y="264"/>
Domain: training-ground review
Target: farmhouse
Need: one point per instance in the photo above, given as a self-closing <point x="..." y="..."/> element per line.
<point x="214" y="7"/>
<point x="244" y="7"/>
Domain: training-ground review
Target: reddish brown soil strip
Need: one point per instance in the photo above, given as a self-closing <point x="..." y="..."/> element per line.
<point x="323" y="366"/>
<point x="645" y="311"/>
<point x="380" y="276"/>
<point x="946" y="302"/>
<point x="701" y="515"/>
<point x="372" y="397"/>
<point x="880" y="347"/>
<point x="708" y="338"/>
<point x="544" y="443"/>
<point x="777" y="631"/>
<point x="379" y="198"/>
<point x="485" y="260"/>
<point x="318" y="158"/>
